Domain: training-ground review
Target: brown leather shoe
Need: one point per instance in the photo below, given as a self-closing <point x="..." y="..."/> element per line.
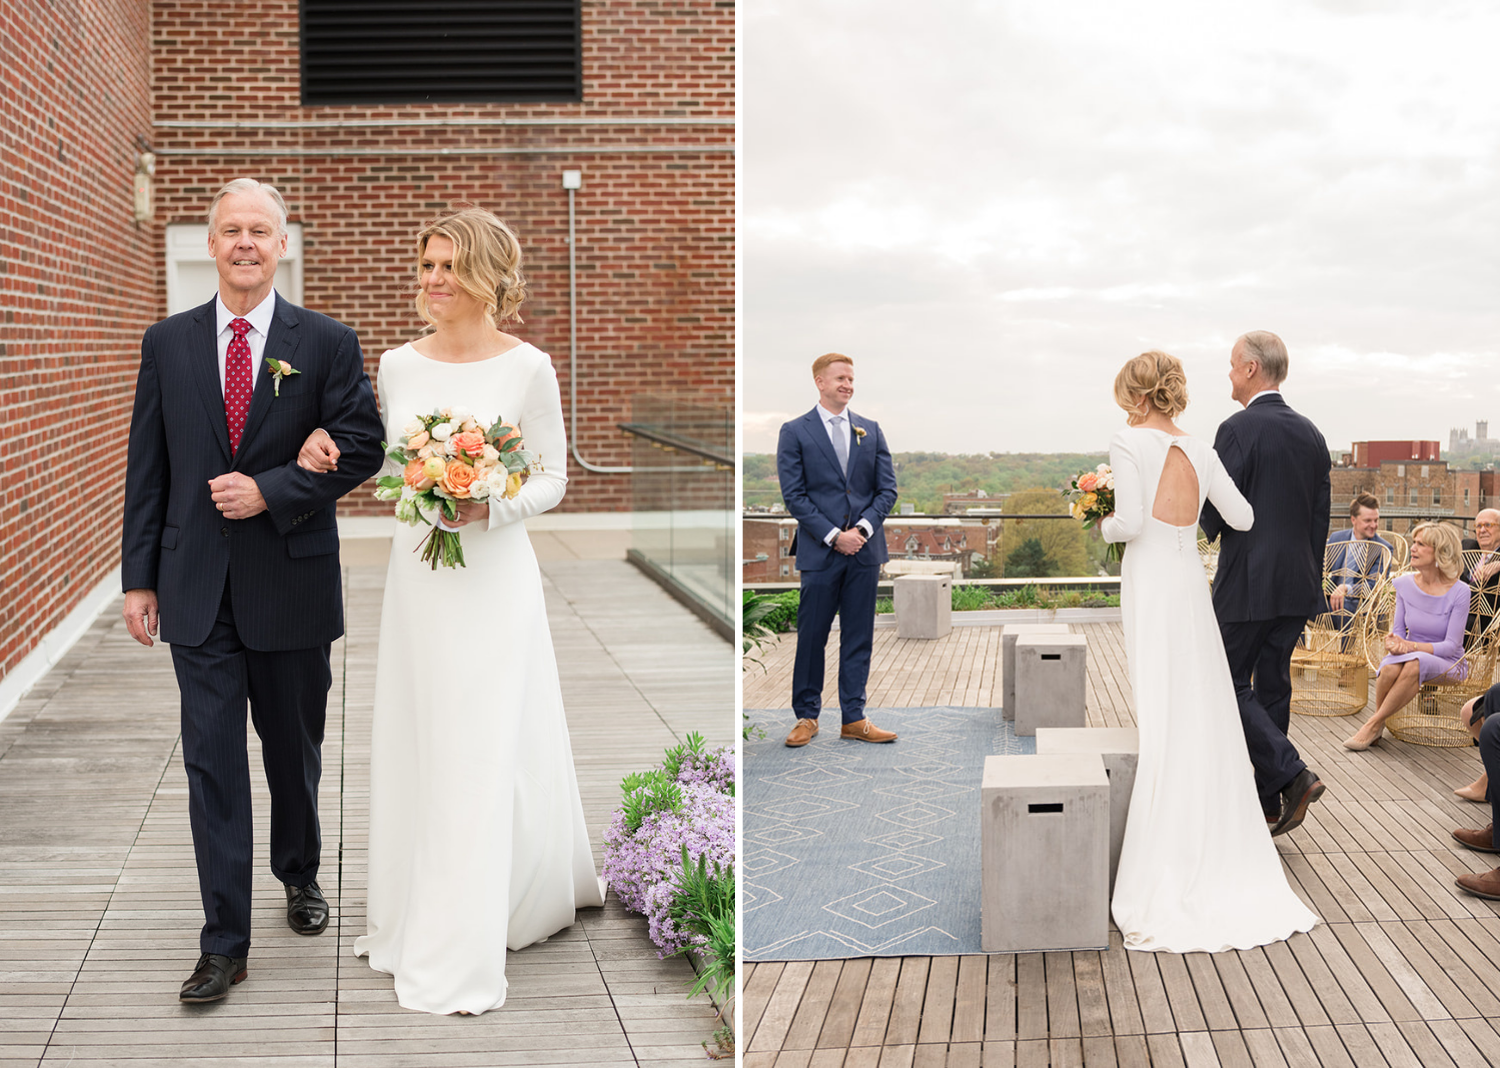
<point x="1486" y="885"/>
<point x="865" y="731"/>
<point x="1482" y="841"/>
<point x="802" y="733"/>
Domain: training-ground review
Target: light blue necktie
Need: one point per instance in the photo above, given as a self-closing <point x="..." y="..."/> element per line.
<point x="840" y="443"/>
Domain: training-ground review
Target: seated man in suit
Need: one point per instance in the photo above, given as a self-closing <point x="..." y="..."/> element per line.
<point x="1364" y="557"/>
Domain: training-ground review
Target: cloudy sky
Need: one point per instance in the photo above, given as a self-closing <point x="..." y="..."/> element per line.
<point x="992" y="204"/>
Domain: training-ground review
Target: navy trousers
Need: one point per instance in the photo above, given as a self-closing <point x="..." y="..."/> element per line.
<point x="1260" y="662"/>
<point x="846" y="589"/>
<point x="288" y="697"/>
<point x="1489" y="749"/>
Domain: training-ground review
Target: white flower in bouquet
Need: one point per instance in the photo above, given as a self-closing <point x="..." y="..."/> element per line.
<point x="458" y="414"/>
<point x="490" y="453"/>
<point x="442" y="431"/>
<point x="479" y="491"/>
<point x="413" y="428"/>
<point x="496" y="480"/>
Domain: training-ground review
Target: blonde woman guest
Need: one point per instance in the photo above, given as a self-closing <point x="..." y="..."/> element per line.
<point x="1198" y="870"/>
<point x="477" y="835"/>
<point x="1427" y="633"/>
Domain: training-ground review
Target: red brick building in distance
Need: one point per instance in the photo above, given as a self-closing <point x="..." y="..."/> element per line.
<point x="636" y="101"/>
<point x="1411" y="483"/>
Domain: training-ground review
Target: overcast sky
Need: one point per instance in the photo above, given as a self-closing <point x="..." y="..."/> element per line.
<point x="992" y="205"/>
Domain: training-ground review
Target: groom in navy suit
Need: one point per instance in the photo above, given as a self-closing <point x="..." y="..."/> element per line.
<point x="838" y="482"/>
<point x="1270" y="577"/>
<point x="233" y="551"/>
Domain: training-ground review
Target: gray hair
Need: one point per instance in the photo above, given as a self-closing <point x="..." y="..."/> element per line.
<point x="250" y="185"/>
<point x="1267" y="350"/>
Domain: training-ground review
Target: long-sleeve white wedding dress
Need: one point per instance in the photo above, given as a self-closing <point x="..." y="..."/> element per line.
<point x="477" y="836"/>
<point x="1198" y="869"/>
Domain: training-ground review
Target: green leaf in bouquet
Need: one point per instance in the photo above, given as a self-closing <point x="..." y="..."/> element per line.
<point x="391" y="481"/>
<point x="510" y="446"/>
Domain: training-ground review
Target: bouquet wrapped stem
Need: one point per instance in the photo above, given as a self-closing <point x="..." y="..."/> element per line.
<point x="1091" y="497"/>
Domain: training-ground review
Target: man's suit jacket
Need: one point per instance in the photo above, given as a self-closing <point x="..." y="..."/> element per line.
<point x="821" y="497"/>
<point x="1369" y="565"/>
<point x="282" y="566"/>
<point x="1279" y="461"/>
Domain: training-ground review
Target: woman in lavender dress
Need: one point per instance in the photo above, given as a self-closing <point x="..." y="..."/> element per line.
<point x="1427" y="634"/>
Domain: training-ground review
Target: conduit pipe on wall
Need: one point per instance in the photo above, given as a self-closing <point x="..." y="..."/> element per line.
<point x="572" y="182"/>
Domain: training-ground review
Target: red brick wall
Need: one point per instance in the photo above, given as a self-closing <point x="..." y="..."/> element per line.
<point x="78" y="283"/>
<point x="654" y="228"/>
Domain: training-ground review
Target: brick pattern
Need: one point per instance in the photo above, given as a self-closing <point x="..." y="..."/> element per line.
<point x="1409" y="492"/>
<point x="80" y="282"/>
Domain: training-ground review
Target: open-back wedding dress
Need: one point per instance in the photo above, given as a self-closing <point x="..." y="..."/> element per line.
<point x="1198" y="869"/>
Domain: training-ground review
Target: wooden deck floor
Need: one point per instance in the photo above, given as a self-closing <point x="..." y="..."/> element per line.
<point x="99" y="908"/>
<point x="1404" y="970"/>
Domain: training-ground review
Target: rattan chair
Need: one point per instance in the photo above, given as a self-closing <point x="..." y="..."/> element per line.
<point x="1330" y="668"/>
<point x="1208" y="552"/>
<point x="1432" y="716"/>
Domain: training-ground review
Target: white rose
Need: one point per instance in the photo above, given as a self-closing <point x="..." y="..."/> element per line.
<point x="479" y="490"/>
<point x="442" y="432"/>
<point x="496" y="480"/>
<point x="458" y="414"/>
<point x="413" y="428"/>
<point x="490" y="453"/>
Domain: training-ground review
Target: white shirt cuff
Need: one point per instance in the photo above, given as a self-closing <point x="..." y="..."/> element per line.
<point x="864" y="524"/>
<point x="832" y="534"/>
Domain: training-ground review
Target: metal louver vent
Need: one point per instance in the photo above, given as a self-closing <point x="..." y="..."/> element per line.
<point x="440" y="51"/>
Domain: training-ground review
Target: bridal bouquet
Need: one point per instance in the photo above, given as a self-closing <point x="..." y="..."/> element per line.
<point x="1092" y="497"/>
<point x="448" y="457"/>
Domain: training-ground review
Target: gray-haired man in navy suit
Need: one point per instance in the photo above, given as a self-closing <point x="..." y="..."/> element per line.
<point x="1270" y="577"/>
<point x="233" y="551"/>
<point x="838" y="482"/>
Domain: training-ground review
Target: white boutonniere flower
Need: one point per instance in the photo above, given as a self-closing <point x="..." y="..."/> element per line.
<point x="859" y="435"/>
<point x="279" y="369"/>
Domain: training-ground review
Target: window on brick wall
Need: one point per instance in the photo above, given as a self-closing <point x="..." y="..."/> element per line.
<point x="1411" y="498"/>
<point x="441" y="51"/>
<point x="1437" y="496"/>
<point x="1390" y="495"/>
<point x="1466" y="496"/>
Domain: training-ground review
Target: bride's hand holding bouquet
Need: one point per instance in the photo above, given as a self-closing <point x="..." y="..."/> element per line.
<point x="1092" y="498"/>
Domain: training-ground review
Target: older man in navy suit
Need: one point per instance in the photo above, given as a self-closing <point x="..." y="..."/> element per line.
<point x="838" y="482"/>
<point x="1270" y="577"/>
<point x="233" y="551"/>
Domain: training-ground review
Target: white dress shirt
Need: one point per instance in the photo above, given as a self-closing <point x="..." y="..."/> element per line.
<point x="259" y="318"/>
<point x="846" y="428"/>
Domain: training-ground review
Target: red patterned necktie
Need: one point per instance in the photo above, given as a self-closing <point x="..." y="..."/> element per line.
<point x="237" y="383"/>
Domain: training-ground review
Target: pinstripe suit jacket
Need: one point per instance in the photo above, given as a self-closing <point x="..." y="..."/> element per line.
<point x="1280" y="462"/>
<point x="282" y="566"/>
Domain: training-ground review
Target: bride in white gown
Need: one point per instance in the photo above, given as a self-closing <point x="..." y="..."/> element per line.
<point x="1198" y="869"/>
<point x="477" y="837"/>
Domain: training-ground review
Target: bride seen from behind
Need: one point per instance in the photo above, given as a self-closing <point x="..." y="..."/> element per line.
<point x="477" y="837"/>
<point x="1198" y="870"/>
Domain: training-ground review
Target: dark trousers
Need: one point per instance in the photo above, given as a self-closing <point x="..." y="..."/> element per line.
<point x="847" y="589"/>
<point x="1260" y="662"/>
<point x="1489" y="749"/>
<point x="288" y="697"/>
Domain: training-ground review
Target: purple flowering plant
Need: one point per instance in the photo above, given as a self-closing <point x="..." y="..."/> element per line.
<point x="682" y="811"/>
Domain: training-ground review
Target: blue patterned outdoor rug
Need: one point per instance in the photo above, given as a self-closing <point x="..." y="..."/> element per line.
<point x="859" y="850"/>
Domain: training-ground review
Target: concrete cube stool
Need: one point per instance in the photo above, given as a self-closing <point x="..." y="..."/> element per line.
<point x="924" y="606"/>
<point x="1051" y="678"/>
<point x="1119" y="747"/>
<point x="1044" y="853"/>
<point x="1008" y="637"/>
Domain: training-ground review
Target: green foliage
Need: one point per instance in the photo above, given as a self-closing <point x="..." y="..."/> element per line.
<point x="680" y="754"/>
<point x="1030" y="560"/>
<point x="647" y="792"/>
<point x="784" y="617"/>
<point x="1062" y="540"/>
<point x="884" y="606"/>
<point x="969" y="598"/>
<point x="986" y="567"/>
<point x="703" y="903"/>
<point x="923" y="477"/>
<point x="755" y="631"/>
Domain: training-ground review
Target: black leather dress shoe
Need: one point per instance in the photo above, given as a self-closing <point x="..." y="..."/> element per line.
<point x="1295" y="798"/>
<point x="213" y="977"/>
<point x="306" y="909"/>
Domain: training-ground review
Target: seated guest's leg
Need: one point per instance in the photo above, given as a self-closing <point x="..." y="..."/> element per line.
<point x="1473" y="716"/>
<point x="1395" y="687"/>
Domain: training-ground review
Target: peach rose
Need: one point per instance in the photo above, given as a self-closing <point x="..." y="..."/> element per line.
<point x="416" y="441"/>
<point x="416" y="477"/>
<point x="507" y="433"/>
<point x="469" y="443"/>
<point x="457" y="478"/>
<point x="1088" y="482"/>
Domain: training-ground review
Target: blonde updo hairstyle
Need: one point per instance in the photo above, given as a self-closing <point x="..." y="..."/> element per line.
<point x="486" y="262"/>
<point x="1156" y="376"/>
<point x="1447" y="549"/>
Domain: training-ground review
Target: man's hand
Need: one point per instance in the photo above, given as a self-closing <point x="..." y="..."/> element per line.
<point x="1336" y="598"/>
<point x="850" y="541"/>
<point x="318" y="454"/>
<point x="140" y="615"/>
<point x="237" y="495"/>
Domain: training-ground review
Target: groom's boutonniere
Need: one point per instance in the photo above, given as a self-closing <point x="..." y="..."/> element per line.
<point x="278" y="369"/>
<point x="859" y="435"/>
